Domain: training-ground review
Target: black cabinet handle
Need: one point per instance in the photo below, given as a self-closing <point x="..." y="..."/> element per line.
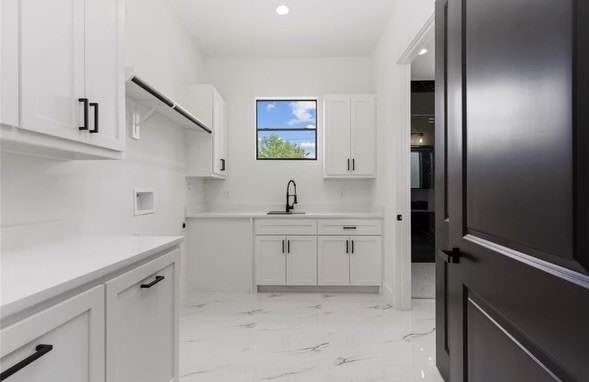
<point x="95" y="106"/>
<point x="347" y="246"/>
<point x="348" y="164"/>
<point x="282" y="246"/>
<point x="222" y="164"/>
<point x="451" y="257"/>
<point x="157" y="280"/>
<point x="85" y="102"/>
<point x="288" y="246"/>
<point x="350" y="227"/>
<point x="40" y="351"/>
<point x="352" y="246"/>
<point x="353" y="164"/>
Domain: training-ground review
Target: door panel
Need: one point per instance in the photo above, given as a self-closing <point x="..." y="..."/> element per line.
<point x="488" y="340"/>
<point x="519" y="150"/>
<point x="104" y="83"/>
<point x="517" y="292"/>
<point x="365" y="260"/>
<point x="333" y="263"/>
<point x="363" y="135"/>
<point x="337" y="134"/>
<point x="270" y="260"/>
<point x="301" y="260"/>
<point x="52" y="33"/>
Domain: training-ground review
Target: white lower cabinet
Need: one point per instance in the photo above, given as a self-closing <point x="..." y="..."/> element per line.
<point x="365" y="260"/>
<point x="286" y="260"/>
<point x="301" y="260"/>
<point x="142" y="323"/>
<point x="63" y="343"/>
<point x="270" y="260"/>
<point x="333" y="261"/>
<point x="324" y="252"/>
<point x="350" y="260"/>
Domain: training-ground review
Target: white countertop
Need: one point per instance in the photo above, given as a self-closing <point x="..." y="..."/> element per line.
<point x="308" y="215"/>
<point x="34" y="274"/>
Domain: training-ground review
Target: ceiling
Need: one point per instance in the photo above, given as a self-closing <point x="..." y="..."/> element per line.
<point x="252" y="28"/>
<point x="423" y="68"/>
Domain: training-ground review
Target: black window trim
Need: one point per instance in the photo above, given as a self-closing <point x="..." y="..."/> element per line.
<point x="286" y="99"/>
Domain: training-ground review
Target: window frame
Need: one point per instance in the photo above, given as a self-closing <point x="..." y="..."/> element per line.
<point x="288" y="99"/>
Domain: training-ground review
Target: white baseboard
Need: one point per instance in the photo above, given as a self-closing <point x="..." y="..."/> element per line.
<point x="317" y="289"/>
<point x="388" y="294"/>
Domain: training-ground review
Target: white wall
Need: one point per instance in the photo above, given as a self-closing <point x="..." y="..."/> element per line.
<point x="407" y="18"/>
<point x="46" y="199"/>
<point x="262" y="184"/>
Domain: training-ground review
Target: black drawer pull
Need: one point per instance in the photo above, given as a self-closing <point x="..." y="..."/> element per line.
<point x="95" y="106"/>
<point x="40" y="351"/>
<point x="352" y="246"/>
<point x="349" y="227"/>
<point x="157" y="280"/>
<point x="85" y="102"/>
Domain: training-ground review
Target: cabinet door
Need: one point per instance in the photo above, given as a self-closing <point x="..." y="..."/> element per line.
<point x="301" y="260"/>
<point x="9" y="90"/>
<point x="142" y="323"/>
<point x="270" y="260"/>
<point x="363" y="135"/>
<point x="366" y="260"/>
<point x="337" y="127"/>
<point x="68" y="337"/>
<point x="218" y="134"/>
<point x="104" y="73"/>
<point x="333" y="265"/>
<point x="52" y="67"/>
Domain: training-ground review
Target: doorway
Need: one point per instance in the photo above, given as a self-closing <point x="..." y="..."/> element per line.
<point x="422" y="171"/>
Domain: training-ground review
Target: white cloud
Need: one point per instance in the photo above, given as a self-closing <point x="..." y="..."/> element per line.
<point x="307" y="145"/>
<point x="311" y="126"/>
<point x="270" y="106"/>
<point x="302" y="112"/>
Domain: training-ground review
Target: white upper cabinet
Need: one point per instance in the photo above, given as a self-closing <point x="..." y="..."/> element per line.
<point x="71" y="91"/>
<point x="350" y="136"/>
<point x="207" y="155"/>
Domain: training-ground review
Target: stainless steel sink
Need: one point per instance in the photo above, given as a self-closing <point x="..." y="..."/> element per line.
<point x="285" y="213"/>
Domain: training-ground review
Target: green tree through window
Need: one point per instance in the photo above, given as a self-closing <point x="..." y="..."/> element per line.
<point x="274" y="147"/>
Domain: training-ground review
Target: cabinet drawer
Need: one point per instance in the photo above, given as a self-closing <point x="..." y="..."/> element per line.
<point x="142" y="336"/>
<point x="62" y="343"/>
<point x="286" y="226"/>
<point x="350" y="227"/>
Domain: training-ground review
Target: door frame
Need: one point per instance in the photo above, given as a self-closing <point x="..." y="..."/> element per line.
<point x="403" y="161"/>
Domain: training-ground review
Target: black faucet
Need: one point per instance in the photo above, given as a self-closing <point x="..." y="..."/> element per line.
<point x="290" y="207"/>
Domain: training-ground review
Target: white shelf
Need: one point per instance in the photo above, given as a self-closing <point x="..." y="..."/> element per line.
<point x="146" y="95"/>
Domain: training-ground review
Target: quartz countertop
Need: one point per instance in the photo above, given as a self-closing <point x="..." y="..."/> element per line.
<point x="308" y="215"/>
<point x="34" y="274"/>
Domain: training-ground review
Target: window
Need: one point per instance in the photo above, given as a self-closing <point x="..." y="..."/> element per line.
<point x="286" y="129"/>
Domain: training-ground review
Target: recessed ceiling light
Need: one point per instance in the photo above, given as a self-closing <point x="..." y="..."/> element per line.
<point x="421" y="52"/>
<point x="282" y="10"/>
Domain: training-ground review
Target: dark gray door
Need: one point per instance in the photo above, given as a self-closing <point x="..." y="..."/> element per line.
<point x="517" y="140"/>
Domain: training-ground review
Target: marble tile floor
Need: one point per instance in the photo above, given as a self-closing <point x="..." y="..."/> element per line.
<point x="307" y="337"/>
<point x="423" y="280"/>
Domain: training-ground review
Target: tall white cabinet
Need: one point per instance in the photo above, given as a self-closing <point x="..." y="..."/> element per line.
<point x="69" y="60"/>
<point x="207" y="156"/>
<point x="350" y="136"/>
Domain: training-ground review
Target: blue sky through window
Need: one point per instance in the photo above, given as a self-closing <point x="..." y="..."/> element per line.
<point x="294" y="121"/>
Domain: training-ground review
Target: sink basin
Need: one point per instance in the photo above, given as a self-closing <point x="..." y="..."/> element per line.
<point x="285" y="213"/>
